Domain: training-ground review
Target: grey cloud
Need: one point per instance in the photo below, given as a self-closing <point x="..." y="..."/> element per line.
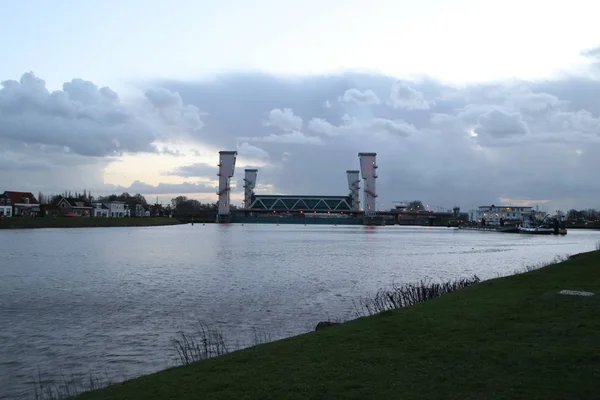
<point x="353" y="126"/>
<point x="592" y="53"/>
<point x="170" y="107"/>
<point x="252" y="152"/>
<point x="535" y="139"/>
<point x="500" y="124"/>
<point x="170" y="152"/>
<point x="161" y="188"/>
<point x="405" y="96"/>
<point x="424" y="149"/>
<point x="197" y="170"/>
<point x="88" y="120"/>
<point x="528" y="101"/>
<point x="293" y="137"/>
<point x="396" y="127"/>
<point x="360" y="97"/>
<point x="284" y="119"/>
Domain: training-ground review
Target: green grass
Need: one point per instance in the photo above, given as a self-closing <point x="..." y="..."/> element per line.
<point x="506" y="338"/>
<point x="66" y="222"/>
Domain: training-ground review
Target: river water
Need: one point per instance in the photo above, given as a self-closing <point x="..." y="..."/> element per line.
<point x="109" y="301"/>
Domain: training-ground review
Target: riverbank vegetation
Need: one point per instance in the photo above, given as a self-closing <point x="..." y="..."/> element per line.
<point x="399" y="296"/>
<point x="71" y="222"/>
<point x="510" y="337"/>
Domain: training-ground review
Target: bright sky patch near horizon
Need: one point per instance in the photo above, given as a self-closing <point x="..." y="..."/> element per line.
<point x="111" y="42"/>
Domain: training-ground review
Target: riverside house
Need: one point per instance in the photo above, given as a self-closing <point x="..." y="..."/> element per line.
<point x="22" y="204"/>
<point x="72" y="206"/>
<point x="99" y="209"/>
<point x="112" y="209"/>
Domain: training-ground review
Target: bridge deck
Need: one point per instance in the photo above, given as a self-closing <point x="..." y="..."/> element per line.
<point x="300" y="203"/>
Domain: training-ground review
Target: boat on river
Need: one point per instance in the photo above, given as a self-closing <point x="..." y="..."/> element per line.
<point x="532" y="227"/>
<point x="490" y="228"/>
<point x="528" y="225"/>
<point x="536" y="230"/>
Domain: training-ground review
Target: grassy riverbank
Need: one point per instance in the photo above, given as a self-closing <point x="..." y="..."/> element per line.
<point x="66" y="222"/>
<point x="512" y="337"/>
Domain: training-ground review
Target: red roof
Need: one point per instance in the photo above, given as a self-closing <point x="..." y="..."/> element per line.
<point x="17" y="197"/>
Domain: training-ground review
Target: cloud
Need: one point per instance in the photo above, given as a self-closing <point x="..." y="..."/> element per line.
<point x="352" y="126"/>
<point x="467" y="146"/>
<point x="249" y="151"/>
<point x="170" y="152"/>
<point x="291" y="124"/>
<point x="161" y="188"/>
<point x="356" y="96"/>
<point x="404" y="96"/>
<point x="528" y="144"/>
<point x="500" y="124"/>
<point x="172" y="110"/>
<point x="197" y="170"/>
<point x="593" y="53"/>
<point x="88" y="120"/>
<point x="293" y="137"/>
<point x="284" y="119"/>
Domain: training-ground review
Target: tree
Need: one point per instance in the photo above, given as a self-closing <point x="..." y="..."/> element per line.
<point x="140" y="199"/>
<point x="55" y="198"/>
<point x="572" y="214"/>
<point x="415" y="205"/>
<point x="178" y="200"/>
<point x="591" y="214"/>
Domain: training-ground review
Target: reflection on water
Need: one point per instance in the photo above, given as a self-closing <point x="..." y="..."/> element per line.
<point x="109" y="300"/>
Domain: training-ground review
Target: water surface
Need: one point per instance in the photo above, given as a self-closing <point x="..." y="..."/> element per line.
<point x="109" y="301"/>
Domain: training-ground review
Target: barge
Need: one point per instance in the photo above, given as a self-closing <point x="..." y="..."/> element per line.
<point x="528" y="225"/>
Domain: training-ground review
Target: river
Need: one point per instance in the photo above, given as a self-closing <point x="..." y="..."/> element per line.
<point x="109" y="301"/>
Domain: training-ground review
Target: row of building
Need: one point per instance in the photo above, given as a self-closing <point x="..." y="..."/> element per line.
<point x="25" y="204"/>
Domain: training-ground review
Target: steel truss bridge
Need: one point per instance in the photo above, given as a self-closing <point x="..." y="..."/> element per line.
<point x="319" y="204"/>
<point x="291" y="204"/>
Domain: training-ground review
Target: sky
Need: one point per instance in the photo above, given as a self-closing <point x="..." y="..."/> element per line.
<point x="466" y="103"/>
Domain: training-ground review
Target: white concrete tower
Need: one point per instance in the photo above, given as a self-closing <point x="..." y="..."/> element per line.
<point x="226" y="169"/>
<point x="354" y="186"/>
<point x="368" y="167"/>
<point x="249" y="185"/>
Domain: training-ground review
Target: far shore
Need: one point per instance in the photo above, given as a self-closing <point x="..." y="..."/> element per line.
<point x="71" y="222"/>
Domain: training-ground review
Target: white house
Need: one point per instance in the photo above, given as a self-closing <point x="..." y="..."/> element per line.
<point x="99" y="210"/>
<point x="117" y="209"/>
<point x="112" y="209"/>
